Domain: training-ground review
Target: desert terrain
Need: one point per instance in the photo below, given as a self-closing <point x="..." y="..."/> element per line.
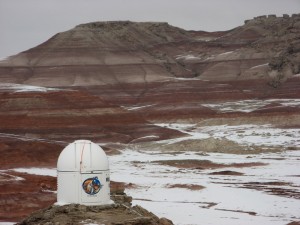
<point x="200" y="127"/>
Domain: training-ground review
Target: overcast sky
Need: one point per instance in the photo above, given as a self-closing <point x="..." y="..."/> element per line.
<point x="27" y="23"/>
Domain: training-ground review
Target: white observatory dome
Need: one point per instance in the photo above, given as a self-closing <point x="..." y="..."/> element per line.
<point x="83" y="174"/>
<point x="82" y="156"/>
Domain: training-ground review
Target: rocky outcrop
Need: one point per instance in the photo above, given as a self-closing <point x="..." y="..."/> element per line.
<point x="108" y="215"/>
<point x="286" y="64"/>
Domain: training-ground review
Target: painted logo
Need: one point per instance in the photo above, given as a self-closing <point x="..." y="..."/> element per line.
<point x="92" y="185"/>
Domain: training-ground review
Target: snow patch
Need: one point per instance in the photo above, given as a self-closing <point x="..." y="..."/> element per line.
<point x="184" y="128"/>
<point x="244" y="135"/>
<point x="147" y="137"/>
<point x="250" y="105"/>
<point x="92" y="223"/>
<point x="137" y="107"/>
<point x="263" y="135"/>
<point x="89" y="223"/>
<point x="187" y="57"/>
<point x="258" y="66"/>
<point x="184" y="78"/>
<point x="11" y="177"/>
<point x="210" y="57"/>
<point x="25" y="88"/>
<point x="37" y="171"/>
<point x="287" y="102"/>
<point x="239" y="106"/>
<point x="24" y="138"/>
<point x="226" y="53"/>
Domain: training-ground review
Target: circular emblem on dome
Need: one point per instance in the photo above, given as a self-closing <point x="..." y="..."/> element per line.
<point x="91" y="185"/>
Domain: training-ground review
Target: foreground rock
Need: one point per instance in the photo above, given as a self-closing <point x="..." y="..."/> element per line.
<point x="118" y="214"/>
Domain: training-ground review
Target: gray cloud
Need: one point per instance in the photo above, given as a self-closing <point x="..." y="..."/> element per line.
<point x="26" y="23"/>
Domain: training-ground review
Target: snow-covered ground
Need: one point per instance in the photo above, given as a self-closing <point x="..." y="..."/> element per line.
<point x="264" y="135"/>
<point x="251" y="105"/>
<point x="226" y="199"/>
<point x="245" y="135"/>
<point x="222" y="201"/>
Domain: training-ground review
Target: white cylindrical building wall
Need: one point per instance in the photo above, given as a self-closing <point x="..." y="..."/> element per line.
<point x="83" y="175"/>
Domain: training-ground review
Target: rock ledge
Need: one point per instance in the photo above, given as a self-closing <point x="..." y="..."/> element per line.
<point x="115" y="214"/>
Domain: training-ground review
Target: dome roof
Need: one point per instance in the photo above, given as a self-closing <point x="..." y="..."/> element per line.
<point x="82" y="156"/>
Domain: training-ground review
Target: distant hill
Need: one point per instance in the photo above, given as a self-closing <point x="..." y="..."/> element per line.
<point x="101" y="53"/>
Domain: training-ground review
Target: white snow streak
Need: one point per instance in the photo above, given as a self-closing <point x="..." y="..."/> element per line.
<point x="25" y="138"/>
<point x="138" y="107"/>
<point x="187" y="57"/>
<point x="250" y="105"/>
<point x="37" y="171"/>
<point x="24" y="88"/>
<point x="146" y="137"/>
<point x="226" y="53"/>
<point x="10" y="177"/>
<point x="262" y="65"/>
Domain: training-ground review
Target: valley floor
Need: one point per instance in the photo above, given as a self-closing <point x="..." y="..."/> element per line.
<point x="241" y="191"/>
<point x="258" y="182"/>
<point x="191" y="186"/>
